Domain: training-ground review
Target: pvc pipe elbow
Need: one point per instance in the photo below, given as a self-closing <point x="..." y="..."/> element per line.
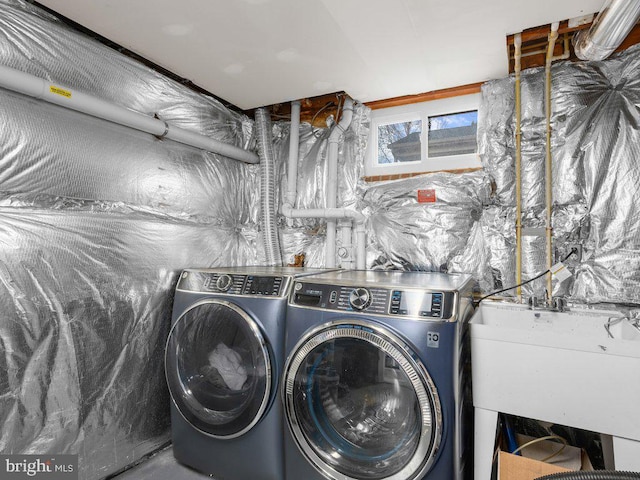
<point x="286" y="209"/>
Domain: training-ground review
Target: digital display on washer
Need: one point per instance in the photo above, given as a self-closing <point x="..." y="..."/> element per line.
<point x="416" y="303"/>
<point x="262" y="285"/>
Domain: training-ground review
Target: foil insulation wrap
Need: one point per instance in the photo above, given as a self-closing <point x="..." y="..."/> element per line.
<point x="597" y="117"/>
<point x="307" y="235"/>
<point x="96" y="222"/>
<point x="595" y="145"/>
<point x="443" y="234"/>
<point x="496" y="131"/>
<point x="500" y="246"/>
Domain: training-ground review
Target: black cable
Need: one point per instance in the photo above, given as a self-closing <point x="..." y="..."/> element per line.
<point x="573" y="250"/>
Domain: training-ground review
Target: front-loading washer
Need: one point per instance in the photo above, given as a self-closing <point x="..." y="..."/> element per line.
<point x="376" y="383"/>
<point x="223" y="361"/>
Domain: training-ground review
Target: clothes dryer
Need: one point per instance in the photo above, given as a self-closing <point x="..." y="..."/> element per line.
<point x="223" y="361"/>
<point x="376" y="382"/>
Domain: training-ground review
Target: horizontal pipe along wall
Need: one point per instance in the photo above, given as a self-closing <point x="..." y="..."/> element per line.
<point x="96" y="221"/>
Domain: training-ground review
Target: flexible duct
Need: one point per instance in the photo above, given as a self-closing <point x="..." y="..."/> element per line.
<point x="39" y="88"/>
<point x="268" y="219"/>
<point x="608" y="31"/>
<point x="595" y="475"/>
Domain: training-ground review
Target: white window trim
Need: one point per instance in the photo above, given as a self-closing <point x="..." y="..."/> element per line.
<point x="420" y="111"/>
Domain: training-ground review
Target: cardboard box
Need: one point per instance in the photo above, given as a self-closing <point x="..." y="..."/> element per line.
<point x="515" y="467"/>
<point x="529" y="466"/>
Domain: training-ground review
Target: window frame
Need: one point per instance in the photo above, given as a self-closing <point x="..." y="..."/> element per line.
<point x="420" y="111"/>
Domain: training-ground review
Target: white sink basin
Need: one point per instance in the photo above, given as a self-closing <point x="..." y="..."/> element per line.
<point x="560" y="367"/>
<point x="586" y="330"/>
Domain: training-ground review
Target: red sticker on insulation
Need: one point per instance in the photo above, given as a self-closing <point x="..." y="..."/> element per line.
<point x="427" y="196"/>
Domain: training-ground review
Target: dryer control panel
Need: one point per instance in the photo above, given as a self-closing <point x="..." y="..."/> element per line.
<point x="373" y="300"/>
<point x="232" y="284"/>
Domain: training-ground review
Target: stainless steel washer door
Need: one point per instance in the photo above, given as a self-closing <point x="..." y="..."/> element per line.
<point x="360" y="405"/>
<point x="218" y="369"/>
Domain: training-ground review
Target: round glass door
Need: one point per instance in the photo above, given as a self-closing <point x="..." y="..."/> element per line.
<point x="359" y="404"/>
<point x="218" y="369"/>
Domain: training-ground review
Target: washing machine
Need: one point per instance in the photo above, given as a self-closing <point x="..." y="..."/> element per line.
<point x="223" y="360"/>
<point x="376" y="384"/>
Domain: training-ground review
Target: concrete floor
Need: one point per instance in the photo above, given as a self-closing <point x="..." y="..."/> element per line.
<point x="161" y="466"/>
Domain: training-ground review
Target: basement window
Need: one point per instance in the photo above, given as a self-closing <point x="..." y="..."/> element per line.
<point x="424" y="137"/>
<point x="399" y="142"/>
<point x="453" y="134"/>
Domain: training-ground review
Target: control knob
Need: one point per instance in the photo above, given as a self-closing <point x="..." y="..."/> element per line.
<point x="224" y="282"/>
<point x="360" y="298"/>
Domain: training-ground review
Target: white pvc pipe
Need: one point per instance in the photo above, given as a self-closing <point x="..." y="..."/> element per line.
<point x="361" y="246"/>
<point x="332" y="179"/>
<point x="329" y="213"/>
<point x="346" y="260"/>
<point x="39" y="88"/>
<point x="294" y="145"/>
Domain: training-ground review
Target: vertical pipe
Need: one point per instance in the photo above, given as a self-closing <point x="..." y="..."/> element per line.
<point x="347" y="261"/>
<point x="294" y="145"/>
<point x="518" y="55"/>
<point x="361" y="246"/>
<point x="332" y="178"/>
<point x="553" y="35"/>
<point x="332" y="192"/>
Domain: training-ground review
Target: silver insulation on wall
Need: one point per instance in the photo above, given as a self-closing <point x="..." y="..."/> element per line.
<point x="597" y="141"/>
<point x="96" y="221"/>
<point x="595" y="147"/>
<point x="415" y="235"/>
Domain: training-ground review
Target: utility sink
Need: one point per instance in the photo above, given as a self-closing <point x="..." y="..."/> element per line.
<point x="584" y="330"/>
<point x="579" y="368"/>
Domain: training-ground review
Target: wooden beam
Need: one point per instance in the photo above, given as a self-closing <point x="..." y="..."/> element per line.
<point x="541" y="33"/>
<point x="425" y="97"/>
<point x="534" y="44"/>
<point x="313" y="110"/>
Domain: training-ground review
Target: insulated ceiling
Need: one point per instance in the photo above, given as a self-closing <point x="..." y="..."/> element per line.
<point x="260" y="52"/>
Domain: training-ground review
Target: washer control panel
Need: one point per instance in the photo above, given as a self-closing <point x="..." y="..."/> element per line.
<point x="416" y="303"/>
<point x="378" y="301"/>
<point x="231" y="284"/>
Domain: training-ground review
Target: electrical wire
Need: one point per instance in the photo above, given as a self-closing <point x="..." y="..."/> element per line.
<point x="538" y="440"/>
<point x="573" y="251"/>
<point x="328" y="105"/>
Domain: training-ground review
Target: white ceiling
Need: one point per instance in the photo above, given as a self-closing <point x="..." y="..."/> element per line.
<point x="254" y="53"/>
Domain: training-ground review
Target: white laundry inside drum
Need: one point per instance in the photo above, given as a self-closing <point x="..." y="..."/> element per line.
<point x="227" y="364"/>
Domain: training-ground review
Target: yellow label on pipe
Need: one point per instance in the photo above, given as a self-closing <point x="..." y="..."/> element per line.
<point x="60" y="91"/>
